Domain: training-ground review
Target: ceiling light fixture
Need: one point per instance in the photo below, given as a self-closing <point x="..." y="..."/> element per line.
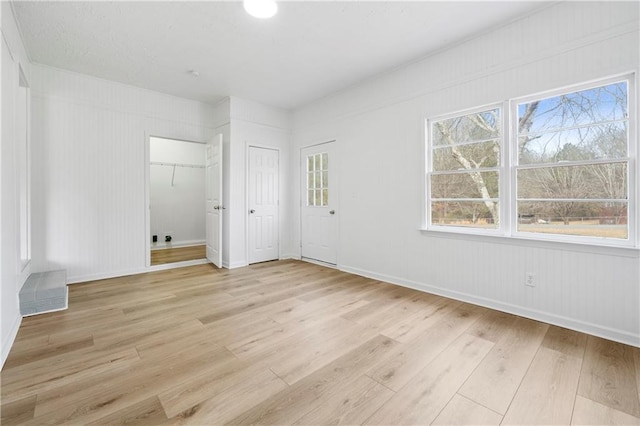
<point x="262" y="9"/>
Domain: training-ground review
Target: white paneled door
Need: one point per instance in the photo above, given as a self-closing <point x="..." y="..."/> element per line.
<point x="319" y="209"/>
<point x="263" y="205"/>
<point x="213" y="189"/>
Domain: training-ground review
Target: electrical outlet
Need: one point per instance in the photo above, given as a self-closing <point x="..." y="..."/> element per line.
<point x="530" y="279"/>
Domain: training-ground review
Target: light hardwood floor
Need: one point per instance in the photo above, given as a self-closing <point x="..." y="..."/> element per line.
<point x="290" y="342"/>
<point x="178" y="254"/>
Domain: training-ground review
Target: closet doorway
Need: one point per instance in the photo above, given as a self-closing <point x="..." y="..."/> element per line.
<point x="177" y="211"/>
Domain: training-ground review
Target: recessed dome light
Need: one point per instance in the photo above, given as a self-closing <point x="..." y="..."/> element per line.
<point x="262" y="9"/>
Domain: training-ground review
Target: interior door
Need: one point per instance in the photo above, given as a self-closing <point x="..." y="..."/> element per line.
<point x="319" y="207"/>
<point x="213" y="189"/>
<point x="263" y="205"/>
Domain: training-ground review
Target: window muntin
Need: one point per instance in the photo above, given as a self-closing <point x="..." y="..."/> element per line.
<point x="464" y="174"/>
<point x="572" y="164"/>
<point x="566" y="170"/>
<point x="318" y="179"/>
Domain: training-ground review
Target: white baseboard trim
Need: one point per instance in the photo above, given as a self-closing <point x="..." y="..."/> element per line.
<point x="123" y="273"/>
<point x="75" y="279"/>
<point x="7" y="342"/>
<point x="319" y="262"/>
<point x="182" y="264"/>
<point x="290" y="256"/>
<point x="559" y="320"/>
<point x="66" y="306"/>
<point x="177" y="244"/>
<point x="234" y="265"/>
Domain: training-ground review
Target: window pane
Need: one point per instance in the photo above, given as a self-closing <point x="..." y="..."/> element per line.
<point x="325" y="161"/>
<point x="474" y="214"/>
<point x="607" y="141"/>
<point x="310" y="181"/>
<point x="588" y="219"/>
<point x="325" y="197"/>
<point x="579" y="126"/>
<point x="465" y="185"/>
<point x="604" y="181"/>
<point x="472" y="156"/>
<point x="472" y="127"/>
<point x="318" y="198"/>
<point x="310" y="198"/>
<point x="317" y="159"/>
<point x="595" y="105"/>
<point x="318" y="181"/>
<point x="325" y="179"/>
<point x="310" y="163"/>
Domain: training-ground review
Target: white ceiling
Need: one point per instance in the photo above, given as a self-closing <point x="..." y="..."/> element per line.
<point x="307" y="51"/>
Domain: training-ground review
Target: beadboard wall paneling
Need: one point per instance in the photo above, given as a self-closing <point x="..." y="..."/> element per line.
<point x="514" y="48"/>
<point x="99" y="93"/>
<point x="222" y="112"/>
<point x="379" y="128"/>
<point x="89" y="137"/>
<point x="12" y="274"/>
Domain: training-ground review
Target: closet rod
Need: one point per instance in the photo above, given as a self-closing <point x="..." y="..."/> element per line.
<point x="193" y="166"/>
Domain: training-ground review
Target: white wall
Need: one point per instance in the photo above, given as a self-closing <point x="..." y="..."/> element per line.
<point x="222" y="124"/>
<point x="177" y="196"/>
<point x="89" y="140"/>
<point x="244" y="123"/>
<point x="12" y="272"/>
<point x="379" y="128"/>
<point x="254" y="124"/>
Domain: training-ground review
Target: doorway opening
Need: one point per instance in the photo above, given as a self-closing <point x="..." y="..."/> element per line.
<point x="177" y="211"/>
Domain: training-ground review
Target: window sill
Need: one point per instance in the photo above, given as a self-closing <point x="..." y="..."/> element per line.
<point x="522" y="241"/>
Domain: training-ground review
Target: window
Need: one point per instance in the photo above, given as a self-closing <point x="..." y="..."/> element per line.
<point x="573" y="161"/>
<point x="569" y="175"/>
<point x="465" y="170"/>
<point x="318" y="179"/>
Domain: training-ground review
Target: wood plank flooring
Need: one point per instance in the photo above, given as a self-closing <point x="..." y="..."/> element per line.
<point x="178" y="254"/>
<point x="290" y="342"/>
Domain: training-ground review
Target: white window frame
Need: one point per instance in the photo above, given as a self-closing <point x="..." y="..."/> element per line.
<point x="631" y="169"/>
<point x="502" y="187"/>
<point x="508" y="226"/>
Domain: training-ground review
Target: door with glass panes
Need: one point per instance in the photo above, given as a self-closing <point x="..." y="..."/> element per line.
<point x="319" y="209"/>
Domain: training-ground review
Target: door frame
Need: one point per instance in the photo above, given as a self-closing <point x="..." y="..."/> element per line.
<point x="147" y="204"/>
<point x="249" y="145"/>
<point x="301" y="180"/>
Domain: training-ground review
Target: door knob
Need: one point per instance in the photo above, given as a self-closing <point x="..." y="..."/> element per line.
<point x="252" y="211"/>
<point x="216" y="207"/>
<point x="332" y="212"/>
